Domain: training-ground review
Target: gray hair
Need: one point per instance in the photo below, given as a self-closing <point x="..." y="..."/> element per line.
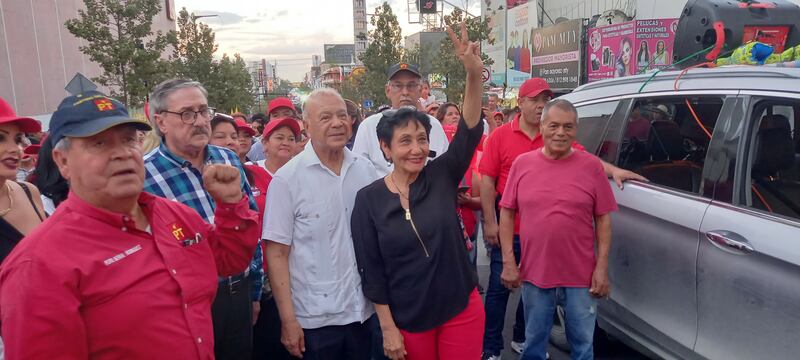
<point x="494" y="95"/>
<point x="62" y="145"/>
<point x="158" y="98"/>
<point x="321" y="92"/>
<point x="561" y="104"/>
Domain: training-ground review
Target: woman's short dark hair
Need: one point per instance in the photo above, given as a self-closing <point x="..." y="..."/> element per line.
<point x="220" y="119"/>
<point x="47" y="177"/>
<point x="401" y="118"/>
<point x="443" y="111"/>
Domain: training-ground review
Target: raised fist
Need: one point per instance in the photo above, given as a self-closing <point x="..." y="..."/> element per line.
<point x="223" y="183"/>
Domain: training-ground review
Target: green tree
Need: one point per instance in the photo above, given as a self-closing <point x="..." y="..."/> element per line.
<point x="447" y="63"/>
<point x="120" y="39"/>
<point x="227" y="80"/>
<point x="236" y="91"/>
<point x="383" y="51"/>
<point x="193" y="49"/>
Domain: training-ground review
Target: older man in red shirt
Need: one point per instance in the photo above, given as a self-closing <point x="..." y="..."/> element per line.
<point x="565" y="201"/>
<point x="503" y="146"/>
<point x="116" y="272"/>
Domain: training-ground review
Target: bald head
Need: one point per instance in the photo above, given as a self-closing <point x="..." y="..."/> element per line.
<point x="326" y="119"/>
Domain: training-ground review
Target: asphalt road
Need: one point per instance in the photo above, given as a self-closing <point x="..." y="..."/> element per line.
<point x="615" y="350"/>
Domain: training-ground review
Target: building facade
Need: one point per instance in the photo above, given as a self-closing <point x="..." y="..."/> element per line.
<point x="360" y="29"/>
<point x="38" y="55"/>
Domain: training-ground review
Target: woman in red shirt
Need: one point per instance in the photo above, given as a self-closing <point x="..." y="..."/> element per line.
<point x="280" y="140"/>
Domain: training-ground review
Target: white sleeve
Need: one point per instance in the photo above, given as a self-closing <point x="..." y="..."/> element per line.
<point x="366" y="144"/>
<point x="362" y="143"/>
<point x="439" y="141"/>
<point x="278" y="213"/>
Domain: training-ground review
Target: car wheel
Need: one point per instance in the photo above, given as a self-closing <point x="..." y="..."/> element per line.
<point x="558" y="333"/>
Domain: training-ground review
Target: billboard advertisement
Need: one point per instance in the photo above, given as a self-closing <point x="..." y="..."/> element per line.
<point x="494" y="11"/>
<point x="610" y="51"/>
<point x="339" y="53"/>
<point x="557" y="54"/>
<point x="521" y="21"/>
<point x="510" y="4"/>
<point x="629" y="48"/>
<point x="654" y="41"/>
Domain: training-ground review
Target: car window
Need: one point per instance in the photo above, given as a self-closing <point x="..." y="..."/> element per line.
<point x="666" y="139"/>
<point x="592" y="122"/>
<point x="774" y="158"/>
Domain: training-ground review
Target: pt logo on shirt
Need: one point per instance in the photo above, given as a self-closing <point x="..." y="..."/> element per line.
<point x="177" y="232"/>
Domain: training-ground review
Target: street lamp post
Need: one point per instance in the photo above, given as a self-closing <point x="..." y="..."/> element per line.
<point x="195" y="17"/>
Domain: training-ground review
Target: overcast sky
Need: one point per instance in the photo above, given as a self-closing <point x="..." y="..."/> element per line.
<point x="290" y="31"/>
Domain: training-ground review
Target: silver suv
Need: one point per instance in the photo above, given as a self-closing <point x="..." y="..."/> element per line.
<point x="705" y="261"/>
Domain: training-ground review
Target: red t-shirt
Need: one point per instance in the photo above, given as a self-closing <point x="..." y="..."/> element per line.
<point x="525" y="60"/>
<point x="261" y="180"/>
<point x="558" y="201"/>
<point x="467" y="214"/>
<point x="503" y="146"/>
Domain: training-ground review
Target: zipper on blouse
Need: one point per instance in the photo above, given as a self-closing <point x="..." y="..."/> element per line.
<point x="414" y="227"/>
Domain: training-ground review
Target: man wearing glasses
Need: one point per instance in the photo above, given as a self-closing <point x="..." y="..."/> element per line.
<point x="182" y="118"/>
<point x="403" y="89"/>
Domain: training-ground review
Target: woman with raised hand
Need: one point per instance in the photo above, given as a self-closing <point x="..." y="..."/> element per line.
<point x="409" y="243"/>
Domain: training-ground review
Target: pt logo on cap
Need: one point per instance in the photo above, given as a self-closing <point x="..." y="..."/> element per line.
<point x="404" y="66"/>
<point x="104" y="104"/>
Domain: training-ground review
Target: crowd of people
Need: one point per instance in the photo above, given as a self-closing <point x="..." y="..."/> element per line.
<point x="301" y="233"/>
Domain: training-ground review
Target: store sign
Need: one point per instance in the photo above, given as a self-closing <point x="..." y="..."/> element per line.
<point x="557" y="54"/>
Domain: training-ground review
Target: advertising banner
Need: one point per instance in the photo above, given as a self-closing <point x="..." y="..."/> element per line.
<point x="557" y="54"/>
<point x="629" y="48"/>
<point x="521" y="22"/>
<point x="610" y="51"/>
<point x="494" y="11"/>
<point x="654" y="41"/>
<point x="510" y="4"/>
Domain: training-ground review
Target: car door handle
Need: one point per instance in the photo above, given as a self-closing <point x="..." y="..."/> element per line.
<point x="730" y="240"/>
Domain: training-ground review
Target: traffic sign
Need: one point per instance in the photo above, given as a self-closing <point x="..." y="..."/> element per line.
<point x="486" y="74"/>
<point x="368" y="103"/>
<point x="80" y="84"/>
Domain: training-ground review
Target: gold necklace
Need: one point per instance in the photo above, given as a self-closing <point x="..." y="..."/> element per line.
<point x="10" y="201"/>
<point x="408" y="216"/>
<point x="408" y="211"/>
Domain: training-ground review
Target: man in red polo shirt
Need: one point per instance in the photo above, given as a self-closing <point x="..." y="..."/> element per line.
<point x="502" y="147"/>
<point x="117" y="272"/>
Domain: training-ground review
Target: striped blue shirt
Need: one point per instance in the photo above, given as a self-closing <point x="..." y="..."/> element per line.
<point x="171" y="177"/>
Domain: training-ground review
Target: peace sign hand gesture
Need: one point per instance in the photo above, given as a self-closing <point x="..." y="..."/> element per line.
<point x="467" y="51"/>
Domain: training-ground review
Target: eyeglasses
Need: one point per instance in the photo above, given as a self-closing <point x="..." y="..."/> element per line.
<point x="412" y="86"/>
<point x="190" y="117"/>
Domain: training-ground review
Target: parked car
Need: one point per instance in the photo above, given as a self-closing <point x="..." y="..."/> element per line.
<point x="705" y="258"/>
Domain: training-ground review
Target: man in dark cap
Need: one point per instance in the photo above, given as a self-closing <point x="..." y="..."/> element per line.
<point x="117" y="272"/>
<point x="403" y="89"/>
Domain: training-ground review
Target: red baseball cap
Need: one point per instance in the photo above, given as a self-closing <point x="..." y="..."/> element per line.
<point x="533" y="87"/>
<point x="33" y="149"/>
<point x="494" y="114"/>
<point x="279" y="103"/>
<point x="26" y="124"/>
<point x="272" y="125"/>
<point x="242" y="125"/>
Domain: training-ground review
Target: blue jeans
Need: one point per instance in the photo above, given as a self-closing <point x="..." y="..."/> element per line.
<point x="495" y="304"/>
<point x="580" y="313"/>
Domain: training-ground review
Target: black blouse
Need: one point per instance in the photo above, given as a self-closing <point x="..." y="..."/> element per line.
<point x="424" y="286"/>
